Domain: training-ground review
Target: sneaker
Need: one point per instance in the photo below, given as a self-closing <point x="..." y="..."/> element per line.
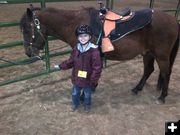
<point x="87" y="109"/>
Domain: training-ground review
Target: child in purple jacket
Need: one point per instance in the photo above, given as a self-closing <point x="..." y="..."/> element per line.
<point x="87" y="66"/>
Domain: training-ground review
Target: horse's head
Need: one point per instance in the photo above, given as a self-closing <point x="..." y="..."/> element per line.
<point x="37" y="24"/>
<point x="33" y="32"/>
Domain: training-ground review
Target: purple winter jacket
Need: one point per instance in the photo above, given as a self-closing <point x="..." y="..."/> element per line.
<point x="89" y="61"/>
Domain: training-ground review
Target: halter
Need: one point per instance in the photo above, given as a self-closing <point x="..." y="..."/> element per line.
<point x="35" y="24"/>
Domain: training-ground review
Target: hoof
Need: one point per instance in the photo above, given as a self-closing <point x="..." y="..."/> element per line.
<point x="160" y="101"/>
<point x="134" y="91"/>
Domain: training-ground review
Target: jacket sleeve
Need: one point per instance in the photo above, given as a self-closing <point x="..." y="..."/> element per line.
<point x="96" y="67"/>
<point x="67" y="64"/>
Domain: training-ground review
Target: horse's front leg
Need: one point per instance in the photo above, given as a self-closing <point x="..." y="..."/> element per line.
<point x="148" y="61"/>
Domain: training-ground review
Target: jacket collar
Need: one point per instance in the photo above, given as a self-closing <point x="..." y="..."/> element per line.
<point x="90" y="45"/>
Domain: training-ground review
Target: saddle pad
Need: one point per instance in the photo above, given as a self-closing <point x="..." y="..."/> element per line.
<point x="139" y="21"/>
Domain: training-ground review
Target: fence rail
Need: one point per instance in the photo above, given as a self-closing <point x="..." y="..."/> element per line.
<point x="36" y="1"/>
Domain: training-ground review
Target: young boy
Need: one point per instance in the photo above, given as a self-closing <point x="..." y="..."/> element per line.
<point x="87" y="66"/>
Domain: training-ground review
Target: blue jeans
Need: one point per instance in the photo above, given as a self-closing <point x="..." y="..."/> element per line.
<point x="76" y="95"/>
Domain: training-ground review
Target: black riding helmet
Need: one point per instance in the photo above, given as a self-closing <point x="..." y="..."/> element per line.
<point x="83" y="29"/>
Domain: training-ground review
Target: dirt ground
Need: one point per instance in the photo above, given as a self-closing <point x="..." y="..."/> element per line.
<point x="41" y="106"/>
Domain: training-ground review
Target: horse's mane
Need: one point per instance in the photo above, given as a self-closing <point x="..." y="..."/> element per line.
<point x="94" y="20"/>
<point x="55" y="10"/>
<point x="93" y="14"/>
<point x="51" y="10"/>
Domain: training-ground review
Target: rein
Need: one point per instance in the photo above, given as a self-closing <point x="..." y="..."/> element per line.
<point x="29" y="61"/>
<point x="99" y="38"/>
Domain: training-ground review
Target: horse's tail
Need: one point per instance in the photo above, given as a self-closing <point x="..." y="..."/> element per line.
<point x="175" y="49"/>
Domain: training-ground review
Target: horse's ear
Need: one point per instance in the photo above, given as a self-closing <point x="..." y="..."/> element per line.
<point x="29" y="13"/>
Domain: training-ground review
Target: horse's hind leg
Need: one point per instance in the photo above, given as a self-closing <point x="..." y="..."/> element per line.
<point x="165" y="73"/>
<point x="172" y="58"/>
<point x="159" y="84"/>
<point x="148" y="61"/>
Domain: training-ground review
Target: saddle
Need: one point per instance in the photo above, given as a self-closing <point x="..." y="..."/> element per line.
<point x="117" y="25"/>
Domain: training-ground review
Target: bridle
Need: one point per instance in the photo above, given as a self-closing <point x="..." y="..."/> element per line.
<point x="35" y="25"/>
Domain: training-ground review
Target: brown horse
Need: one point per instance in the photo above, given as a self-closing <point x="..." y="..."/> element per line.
<point x="157" y="41"/>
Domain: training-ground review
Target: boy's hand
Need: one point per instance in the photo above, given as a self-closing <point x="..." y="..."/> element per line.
<point x="57" y="67"/>
<point x="94" y="87"/>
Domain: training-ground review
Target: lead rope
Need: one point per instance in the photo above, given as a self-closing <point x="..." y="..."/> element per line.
<point x="25" y="62"/>
<point x="102" y="54"/>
